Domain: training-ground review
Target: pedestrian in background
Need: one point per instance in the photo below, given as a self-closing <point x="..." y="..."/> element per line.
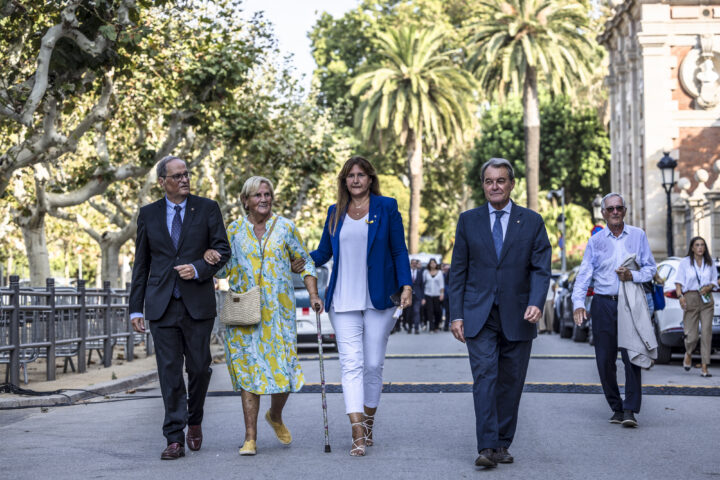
<point x="413" y="315"/>
<point x="172" y="288"/>
<point x="262" y="358"/>
<point x="445" y="267"/>
<point x="602" y="261"/>
<point x="364" y="236"/>
<point x="434" y="290"/>
<point x="498" y="280"/>
<point x="694" y="282"/>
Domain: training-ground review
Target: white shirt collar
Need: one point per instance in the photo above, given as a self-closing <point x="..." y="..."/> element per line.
<point x="505" y="209"/>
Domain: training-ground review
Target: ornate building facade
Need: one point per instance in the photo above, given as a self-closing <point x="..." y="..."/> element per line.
<point x="664" y="93"/>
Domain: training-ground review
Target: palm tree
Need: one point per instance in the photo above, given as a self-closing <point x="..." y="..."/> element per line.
<point x="516" y="41"/>
<point x="416" y="96"/>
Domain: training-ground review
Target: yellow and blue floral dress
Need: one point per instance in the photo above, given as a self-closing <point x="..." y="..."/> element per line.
<point x="262" y="358"/>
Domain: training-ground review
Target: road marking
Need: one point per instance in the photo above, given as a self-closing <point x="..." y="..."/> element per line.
<point x="415" y="356"/>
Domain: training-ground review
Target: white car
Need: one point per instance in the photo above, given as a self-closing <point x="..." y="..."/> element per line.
<point x="305" y="317"/>
<point x="668" y="322"/>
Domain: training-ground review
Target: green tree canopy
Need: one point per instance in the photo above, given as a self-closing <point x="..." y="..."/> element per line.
<point x="574" y="150"/>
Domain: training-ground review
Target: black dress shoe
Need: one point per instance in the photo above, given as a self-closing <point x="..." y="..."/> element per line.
<point x="173" y="452"/>
<point x="194" y="437"/>
<point x="486" y="458"/>
<point x="629" y="419"/>
<point x="502" y="455"/>
<point x="617" y="418"/>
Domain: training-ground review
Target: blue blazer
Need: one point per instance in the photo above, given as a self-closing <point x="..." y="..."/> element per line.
<point x="520" y="277"/>
<point x="387" y="255"/>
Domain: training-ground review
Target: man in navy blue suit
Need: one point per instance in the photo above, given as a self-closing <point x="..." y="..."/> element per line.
<point x="499" y="277"/>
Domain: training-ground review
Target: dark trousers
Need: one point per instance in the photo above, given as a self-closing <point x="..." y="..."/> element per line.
<point x="604" y="325"/>
<point x="180" y="339"/>
<point x="433" y="312"/>
<point x="498" y="367"/>
<point x="412" y="315"/>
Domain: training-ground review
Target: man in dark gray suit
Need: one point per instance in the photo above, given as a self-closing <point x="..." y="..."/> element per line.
<point x="172" y="288"/>
<point x="499" y="277"/>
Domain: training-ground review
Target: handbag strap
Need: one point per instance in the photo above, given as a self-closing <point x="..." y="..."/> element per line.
<point x="263" y="245"/>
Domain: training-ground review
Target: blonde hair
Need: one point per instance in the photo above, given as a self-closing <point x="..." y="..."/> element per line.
<point x="343" y="195"/>
<point x="251" y="186"/>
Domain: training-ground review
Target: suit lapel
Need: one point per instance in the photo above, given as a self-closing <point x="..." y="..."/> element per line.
<point x="187" y="220"/>
<point x="484" y="227"/>
<point x="335" y="239"/>
<point x="162" y="219"/>
<point x="373" y="220"/>
<point x="513" y="228"/>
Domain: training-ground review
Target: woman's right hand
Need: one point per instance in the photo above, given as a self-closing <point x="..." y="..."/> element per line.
<point x="683" y="302"/>
<point x="211" y="256"/>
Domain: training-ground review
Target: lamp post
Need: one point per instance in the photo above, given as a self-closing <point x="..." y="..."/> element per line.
<point x="597" y="208"/>
<point x="667" y="166"/>
<point x="560" y="193"/>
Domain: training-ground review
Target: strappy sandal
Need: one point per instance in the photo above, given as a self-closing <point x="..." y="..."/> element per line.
<point x="358" y="450"/>
<point x="369" y="423"/>
<point x="703" y="374"/>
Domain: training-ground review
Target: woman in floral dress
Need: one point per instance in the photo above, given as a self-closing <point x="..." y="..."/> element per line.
<point x="262" y="359"/>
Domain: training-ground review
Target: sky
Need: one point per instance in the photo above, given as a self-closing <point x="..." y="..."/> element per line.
<point x="292" y="20"/>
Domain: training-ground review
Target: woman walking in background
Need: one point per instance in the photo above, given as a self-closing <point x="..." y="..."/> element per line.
<point x="364" y="236"/>
<point x="694" y="282"/>
<point x="434" y="294"/>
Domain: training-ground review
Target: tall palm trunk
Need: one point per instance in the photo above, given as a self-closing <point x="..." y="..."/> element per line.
<point x="413" y="144"/>
<point x="531" y="124"/>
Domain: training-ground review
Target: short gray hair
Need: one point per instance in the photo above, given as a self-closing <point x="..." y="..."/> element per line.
<point x="497" y="163"/>
<point x="610" y="195"/>
<point x="252" y="185"/>
<point x="161" y="168"/>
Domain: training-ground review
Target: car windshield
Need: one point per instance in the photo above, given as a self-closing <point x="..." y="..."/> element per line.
<point x="298" y="282"/>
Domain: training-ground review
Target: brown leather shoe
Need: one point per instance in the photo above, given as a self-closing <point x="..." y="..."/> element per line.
<point x="173" y="452"/>
<point x="486" y="458"/>
<point x="194" y="437"/>
<point x="502" y="455"/>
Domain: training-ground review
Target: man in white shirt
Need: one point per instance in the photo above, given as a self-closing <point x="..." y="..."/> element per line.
<point x="604" y="255"/>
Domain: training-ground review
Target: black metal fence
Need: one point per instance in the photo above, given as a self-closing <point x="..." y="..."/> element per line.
<point x="58" y="322"/>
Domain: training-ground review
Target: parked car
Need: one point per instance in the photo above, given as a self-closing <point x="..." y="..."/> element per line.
<point x="566" y="324"/>
<point x="668" y="322"/>
<point x="305" y="316"/>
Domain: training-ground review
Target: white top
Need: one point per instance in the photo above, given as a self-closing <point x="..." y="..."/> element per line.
<point x="434" y="285"/>
<point x="351" y="290"/>
<point x="686" y="275"/>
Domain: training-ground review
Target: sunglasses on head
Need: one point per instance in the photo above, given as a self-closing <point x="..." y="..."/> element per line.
<point x="619" y="209"/>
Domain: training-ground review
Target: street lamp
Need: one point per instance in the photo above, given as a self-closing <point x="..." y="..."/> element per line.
<point x="667" y="166"/>
<point x="560" y="193"/>
<point x="597" y="208"/>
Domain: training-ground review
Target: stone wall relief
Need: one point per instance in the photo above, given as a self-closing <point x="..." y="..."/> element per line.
<point x="699" y="72"/>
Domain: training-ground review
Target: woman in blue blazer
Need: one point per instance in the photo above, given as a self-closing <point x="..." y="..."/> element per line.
<point x="364" y="236"/>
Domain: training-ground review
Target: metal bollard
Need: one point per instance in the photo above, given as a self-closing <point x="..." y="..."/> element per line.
<point x="107" y="325"/>
<point x="82" y="327"/>
<point x="15" y="331"/>
<point x="50" y="329"/>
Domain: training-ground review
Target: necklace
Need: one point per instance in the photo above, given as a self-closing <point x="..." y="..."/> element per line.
<point x="359" y="210"/>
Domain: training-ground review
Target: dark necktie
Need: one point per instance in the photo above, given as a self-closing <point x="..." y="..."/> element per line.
<point x="497" y="233"/>
<point x="175" y="236"/>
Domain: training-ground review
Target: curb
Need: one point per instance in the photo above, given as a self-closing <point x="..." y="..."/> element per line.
<point x="93" y="391"/>
<point x="73" y="395"/>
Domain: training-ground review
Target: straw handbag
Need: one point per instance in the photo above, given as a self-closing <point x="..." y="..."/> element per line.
<point x="244" y="309"/>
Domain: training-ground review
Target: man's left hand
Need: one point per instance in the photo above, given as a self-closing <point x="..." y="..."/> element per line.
<point x="186" y="272"/>
<point x="624" y="274"/>
<point x="532" y="314"/>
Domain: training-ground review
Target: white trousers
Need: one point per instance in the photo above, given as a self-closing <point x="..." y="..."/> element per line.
<point x="362" y="337"/>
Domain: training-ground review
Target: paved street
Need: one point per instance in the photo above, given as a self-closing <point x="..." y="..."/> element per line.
<point x="418" y="435"/>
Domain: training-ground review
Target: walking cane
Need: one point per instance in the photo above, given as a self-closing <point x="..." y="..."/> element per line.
<point x="322" y="382"/>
